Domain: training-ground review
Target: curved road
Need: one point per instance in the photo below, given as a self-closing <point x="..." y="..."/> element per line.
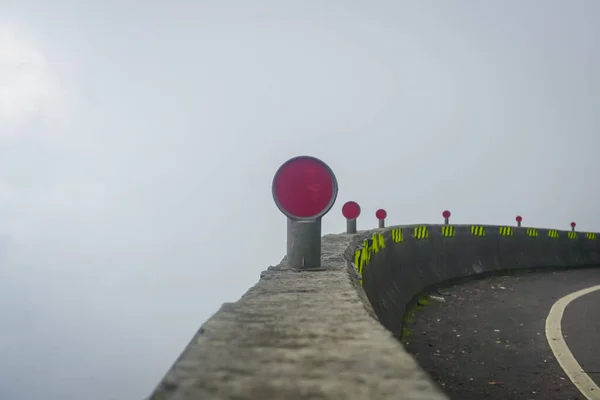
<point x="487" y="339"/>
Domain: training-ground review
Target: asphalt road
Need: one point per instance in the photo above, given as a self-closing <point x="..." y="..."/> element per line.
<point x="581" y="330"/>
<point x="486" y="339"/>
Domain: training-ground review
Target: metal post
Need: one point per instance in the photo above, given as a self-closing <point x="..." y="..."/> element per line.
<point x="351" y="225"/>
<point x="382" y="223"/>
<point x="304" y="244"/>
<point x="446" y="221"/>
<point x="519" y="224"/>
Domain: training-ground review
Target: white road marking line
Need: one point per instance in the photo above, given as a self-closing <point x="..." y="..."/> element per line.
<point x="569" y="364"/>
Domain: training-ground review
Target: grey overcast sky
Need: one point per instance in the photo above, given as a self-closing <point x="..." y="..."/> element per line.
<point x="138" y="141"/>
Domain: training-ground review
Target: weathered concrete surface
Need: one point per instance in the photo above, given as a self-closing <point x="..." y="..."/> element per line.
<point x="298" y="335"/>
<point x="315" y="335"/>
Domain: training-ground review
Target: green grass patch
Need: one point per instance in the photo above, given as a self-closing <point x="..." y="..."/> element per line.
<point x="421" y="303"/>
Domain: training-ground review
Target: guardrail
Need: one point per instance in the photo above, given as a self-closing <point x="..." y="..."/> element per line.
<point x="308" y="329"/>
<point x="399" y="264"/>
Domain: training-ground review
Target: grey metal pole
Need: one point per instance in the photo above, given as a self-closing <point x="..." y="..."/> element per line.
<point x="519" y="224"/>
<point x="304" y="244"/>
<point x="351" y="225"/>
<point x="382" y="223"/>
<point x="446" y="221"/>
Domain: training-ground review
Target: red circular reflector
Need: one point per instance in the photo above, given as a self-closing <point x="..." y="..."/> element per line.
<point x="519" y="218"/>
<point x="351" y="210"/>
<point x="446" y="214"/>
<point x="380" y="214"/>
<point x="304" y="188"/>
<point x="573" y="224"/>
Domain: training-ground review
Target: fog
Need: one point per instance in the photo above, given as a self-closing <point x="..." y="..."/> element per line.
<point x="138" y="142"/>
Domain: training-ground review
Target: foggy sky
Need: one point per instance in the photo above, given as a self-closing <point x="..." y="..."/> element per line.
<point x="138" y="142"/>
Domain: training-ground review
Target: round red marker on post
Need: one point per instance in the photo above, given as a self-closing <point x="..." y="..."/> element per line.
<point x="351" y="210"/>
<point x="446" y="214"/>
<point x="519" y="219"/>
<point x="573" y="225"/>
<point x="304" y="189"/>
<point x="381" y="215"/>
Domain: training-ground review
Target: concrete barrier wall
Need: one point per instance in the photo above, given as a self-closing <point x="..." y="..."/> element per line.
<point x="319" y="335"/>
<point x="418" y="258"/>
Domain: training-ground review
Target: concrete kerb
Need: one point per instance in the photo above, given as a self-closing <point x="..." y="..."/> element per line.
<point x="296" y="335"/>
<point x="318" y="334"/>
<point x="403" y="272"/>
